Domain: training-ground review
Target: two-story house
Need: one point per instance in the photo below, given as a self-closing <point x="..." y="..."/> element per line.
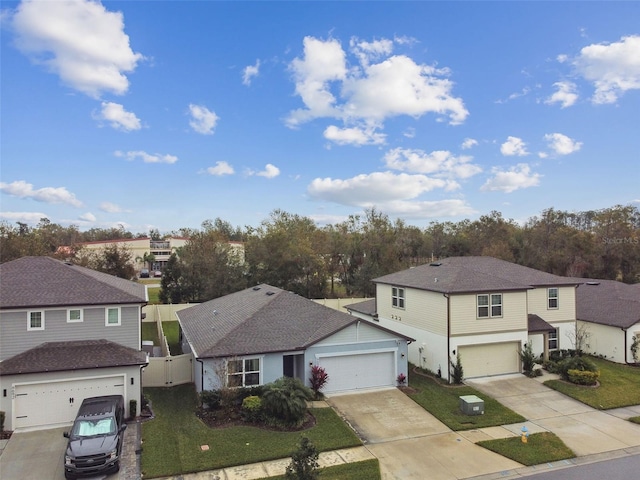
<point x="66" y="333"/>
<point x="482" y="308"/>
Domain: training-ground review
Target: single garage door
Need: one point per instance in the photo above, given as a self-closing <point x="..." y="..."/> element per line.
<point x="490" y="359"/>
<point x="359" y="371"/>
<point x="52" y="403"/>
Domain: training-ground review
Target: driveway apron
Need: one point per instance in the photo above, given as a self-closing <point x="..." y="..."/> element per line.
<point x="409" y="442"/>
<point x="583" y="429"/>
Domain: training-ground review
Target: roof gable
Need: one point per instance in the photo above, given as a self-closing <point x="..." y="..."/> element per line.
<point x="472" y="274"/>
<point x="45" y="282"/>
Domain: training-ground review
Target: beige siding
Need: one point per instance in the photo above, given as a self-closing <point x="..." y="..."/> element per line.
<point x="423" y="309"/>
<point x="537" y="303"/>
<point x="464" y="320"/>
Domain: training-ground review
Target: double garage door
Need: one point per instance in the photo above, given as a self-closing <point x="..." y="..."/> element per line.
<point x="359" y="371"/>
<point x="490" y="359"/>
<point x="53" y="403"/>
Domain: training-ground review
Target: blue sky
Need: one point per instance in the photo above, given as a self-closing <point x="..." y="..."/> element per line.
<point x="165" y="114"/>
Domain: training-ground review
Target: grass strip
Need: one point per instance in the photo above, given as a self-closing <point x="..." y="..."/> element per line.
<point x="443" y="402"/>
<point x="540" y="448"/>
<point x="365" y="470"/>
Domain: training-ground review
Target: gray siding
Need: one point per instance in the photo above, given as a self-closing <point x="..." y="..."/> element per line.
<point x="15" y="338"/>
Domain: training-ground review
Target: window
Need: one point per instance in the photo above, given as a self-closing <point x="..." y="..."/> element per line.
<point x="36" y="320"/>
<point x="397" y="297"/>
<point x="112" y="316"/>
<point x="485" y="309"/>
<point x="243" y="373"/>
<point x="552" y="298"/>
<point x="553" y="340"/>
<point x="74" y="315"/>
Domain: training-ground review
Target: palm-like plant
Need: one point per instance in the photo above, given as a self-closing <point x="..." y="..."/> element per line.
<point x="285" y="400"/>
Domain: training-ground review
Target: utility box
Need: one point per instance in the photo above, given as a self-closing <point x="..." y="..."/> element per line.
<point x="471" y="405"/>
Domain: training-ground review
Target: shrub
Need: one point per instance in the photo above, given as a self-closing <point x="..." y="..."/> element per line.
<point x="211" y="398"/>
<point x="635" y="347"/>
<point x="319" y="378"/>
<point x="401" y="379"/>
<point x="244" y="392"/>
<point x="575" y="363"/>
<point x="252" y="408"/>
<point x="2" y="414"/>
<point x="583" y="377"/>
<point x="304" y="462"/>
<point x="133" y="408"/>
<point x="457" y="371"/>
<point x="285" y="401"/>
<point x="528" y="358"/>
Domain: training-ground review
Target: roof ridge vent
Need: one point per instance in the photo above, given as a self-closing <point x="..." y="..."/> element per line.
<point x="593" y="283"/>
<point x="255" y="289"/>
<point x="435" y="264"/>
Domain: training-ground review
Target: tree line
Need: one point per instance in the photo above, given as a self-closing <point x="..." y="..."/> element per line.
<point x="294" y="253"/>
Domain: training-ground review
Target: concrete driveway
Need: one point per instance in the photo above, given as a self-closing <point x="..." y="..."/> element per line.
<point x="583" y="429"/>
<point x="410" y="443"/>
<point x="40" y="454"/>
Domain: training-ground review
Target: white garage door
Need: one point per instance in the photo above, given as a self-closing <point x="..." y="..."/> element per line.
<point x="490" y="359"/>
<point x="52" y="403"/>
<point x="359" y="371"/>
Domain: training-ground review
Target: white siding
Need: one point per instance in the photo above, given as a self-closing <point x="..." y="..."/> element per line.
<point x="610" y="341"/>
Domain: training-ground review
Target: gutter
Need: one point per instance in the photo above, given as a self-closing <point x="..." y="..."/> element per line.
<point x="201" y="372"/>
<point x="446" y="295"/>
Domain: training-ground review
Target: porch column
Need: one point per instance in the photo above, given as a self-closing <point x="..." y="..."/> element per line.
<point x="545" y="346"/>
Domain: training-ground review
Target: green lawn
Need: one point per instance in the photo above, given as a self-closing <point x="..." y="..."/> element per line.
<point x="540" y="448"/>
<point x="150" y="332"/>
<point x="443" y="402"/>
<point x="173" y="438"/>
<point x="635" y="420"/>
<point x="172" y="332"/>
<point x="619" y="386"/>
<point x="154" y="296"/>
<point x="366" y="470"/>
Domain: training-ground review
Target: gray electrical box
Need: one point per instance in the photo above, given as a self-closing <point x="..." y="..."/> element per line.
<point x="471" y="405"/>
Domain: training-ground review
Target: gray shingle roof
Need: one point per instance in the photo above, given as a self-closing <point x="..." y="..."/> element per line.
<point x="74" y="355"/>
<point x="608" y="302"/>
<point x="47" y="282"/>
<point x="537" y="324"/>
<point x="472" y="274"/>
<point x="260" y="319"/>
<point x="368" y="307"/>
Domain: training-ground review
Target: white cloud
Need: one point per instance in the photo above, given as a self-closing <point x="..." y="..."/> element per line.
<point x="565" y="94"/>
<point x="118" y="117"/>
<point x="469" y="143"/>
<point x="110" y="207"/>
<point x="428" y="209"/>
<point x="249" y="72"/>
<point x="147" y="157"/>
<point x="613" y="68"/>
<point x="30" y="218"/>
<point x="440" y="163"/>
<point x="561" y="144"/>
<point x="203" y="120"/>
<point x="78" y="40"/>
<point x="23" y="189"/>
<point x="354" y="136"/>
<point x="221" y="168"/>
<point x="514" y="146"/>
<point x="369" y="92"/>
<point x="88" y="217"/>
<point x="515" y="178"/>
<point x="270" y="171"/>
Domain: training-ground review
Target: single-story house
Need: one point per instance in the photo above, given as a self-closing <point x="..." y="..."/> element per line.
<point x="609" y="314"/>
<point x="257" y="335"/>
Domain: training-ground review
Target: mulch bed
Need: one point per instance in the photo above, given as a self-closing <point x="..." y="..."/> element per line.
<point x="6" y="435"/>
<point x="223" y="418"/>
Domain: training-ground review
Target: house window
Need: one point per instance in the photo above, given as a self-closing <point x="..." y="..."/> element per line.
<point x="243" y="373"/>
<point x="112" y="316"/>
<point x="397" y="297"/>
<point x="36" y="320"/>
<point x="553" y="340"/>
<point x="74" y="315"/>
<point x="552" y="298"/>
<point x="486" y="309"/>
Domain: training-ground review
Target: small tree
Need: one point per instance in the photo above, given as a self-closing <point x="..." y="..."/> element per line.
<point x="528" y="359"/>
<point x="579" y="337"/>
<point x="635" y="346"/>
<point x="319" y="378"/>
<point x="457" y="371"/>
<point x="304" y="462"/>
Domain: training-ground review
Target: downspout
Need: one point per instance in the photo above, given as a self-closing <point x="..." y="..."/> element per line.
<point x="448" y="336"/>
<point x="626" y="347"/>
<point x="201" y="372"/>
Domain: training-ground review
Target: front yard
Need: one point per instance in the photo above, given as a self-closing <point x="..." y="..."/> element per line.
<point x="442" y="401"/>
<point x="173" y="439"/>
<point x="619" y="386"/>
